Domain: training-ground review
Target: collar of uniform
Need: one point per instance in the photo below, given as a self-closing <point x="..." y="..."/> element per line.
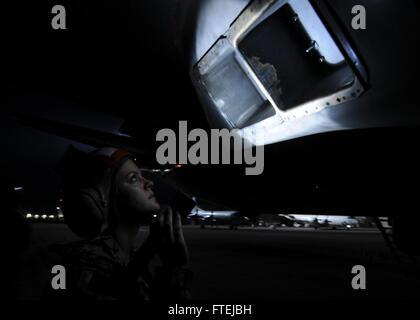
<point x="114" y="250"/>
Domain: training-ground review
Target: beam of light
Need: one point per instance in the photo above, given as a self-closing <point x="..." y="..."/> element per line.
<point x="214" y="19"/>
<point x="314" y="27"/>
<point x="309" y="118"/>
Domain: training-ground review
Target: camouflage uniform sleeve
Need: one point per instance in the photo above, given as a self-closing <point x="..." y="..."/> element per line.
<point x="172" y="283"/>
<point x="101" y="279"/>
<point x="94" y="279"/>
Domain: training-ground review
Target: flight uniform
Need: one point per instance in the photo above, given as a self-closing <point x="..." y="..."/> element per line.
<point x="96" y="269"/>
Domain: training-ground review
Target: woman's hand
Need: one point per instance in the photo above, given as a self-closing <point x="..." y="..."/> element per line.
<point x="167" y="240"/>
<point x="167" y="236"/>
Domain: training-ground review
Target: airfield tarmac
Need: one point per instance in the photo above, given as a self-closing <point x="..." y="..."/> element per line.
<point x="260" y="263"/>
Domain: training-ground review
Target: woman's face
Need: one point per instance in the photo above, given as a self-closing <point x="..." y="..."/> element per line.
<point x="135" y="198"/>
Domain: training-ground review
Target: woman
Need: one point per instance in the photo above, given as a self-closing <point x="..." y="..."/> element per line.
<point x="106" y="200"/>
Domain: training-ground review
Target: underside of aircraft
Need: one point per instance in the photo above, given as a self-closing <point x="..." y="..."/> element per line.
<point x="337" y="106"/>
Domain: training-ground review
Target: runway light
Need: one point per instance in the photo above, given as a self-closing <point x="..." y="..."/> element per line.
<point x="178" y="166"/>
<point x="36" y="216"/>
<point x="28" y="215"/>
<point x="44" y="216"/>
<point x="155" y="216"/>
